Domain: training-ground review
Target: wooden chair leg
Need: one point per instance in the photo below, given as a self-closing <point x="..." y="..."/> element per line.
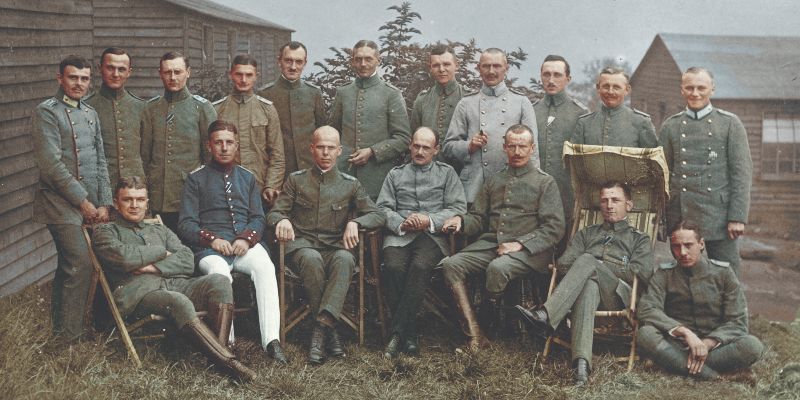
<point x="282" y="291"/>
<point x="361" y="278"/>
<point x="376" y="273"/>
<point x="632" y="356"/>
<point x="547" y="343"/>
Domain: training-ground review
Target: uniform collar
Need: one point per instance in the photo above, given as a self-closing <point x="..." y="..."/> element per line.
<point x="556" y="99"/>
<point x="242" y="97"/>
<point x="616" y="226"/>
<point x="699" y="114"/>
<point x="447" y="89"/>
<point x="364" y="83"/>
<point x="70" y="102"/>
<point x="612" y="111"/>
<point x="173" y="97"/>
<point x="424" y="168"/>
<point x="128" y="224"/>
<point x="699" y="269"/>
<point x="494" y="91"/>
<point x="325" y="177"/>
<point x="219" y="167"/>
<point x="521" y="170"/>
<point x="289" y="84"/>
<point x="113" y="94"/>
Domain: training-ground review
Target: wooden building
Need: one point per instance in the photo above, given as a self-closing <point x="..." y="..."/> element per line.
<point x="36" y="35"/>
<point x="758" y="79"/>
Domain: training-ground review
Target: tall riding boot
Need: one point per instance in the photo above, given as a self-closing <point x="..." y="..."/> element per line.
<point x="468" y="320"/>
<point x="215" y="351"/>
<point x="220" y="318"/>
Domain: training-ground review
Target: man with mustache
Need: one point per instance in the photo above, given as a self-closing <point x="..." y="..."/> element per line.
<point x="434" y="106"/>
<point x="371" y="115"/>
<point x="417" y="198"/>
<point x="600" y="263"/>
<point x="119" y="111"/>
<point x="299" y="106"/>
<point x="556" y="117"/>
<point x="73" y="188"/>
<point x="615" y="124"/>
<point x="475" y="135"/>
<point x="173" y="129"/>
<point x="518" y="217"/>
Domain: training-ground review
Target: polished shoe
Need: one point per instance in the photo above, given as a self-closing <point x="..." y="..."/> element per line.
<point x="537" y="318"/>
<point x="316" y="351"/>
<point x="411" y="345"/>
<point x="335" y="347"/>
<point x="392" y="349"/>
<point x="275" y="351"/>
<point x="581" y="374"/>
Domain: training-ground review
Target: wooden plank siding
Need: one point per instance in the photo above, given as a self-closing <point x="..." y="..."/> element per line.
<point x="35" y="36"/>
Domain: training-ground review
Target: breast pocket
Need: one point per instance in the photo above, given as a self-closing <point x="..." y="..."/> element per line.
<point x="337" y="215"/>
<point x="619" y="262"/>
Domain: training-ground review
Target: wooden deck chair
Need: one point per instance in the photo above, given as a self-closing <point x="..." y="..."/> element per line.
<point x="646" y="172"/>
<point x="289" y="284"/>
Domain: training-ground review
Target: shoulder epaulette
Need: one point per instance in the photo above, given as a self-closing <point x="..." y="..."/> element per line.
<point x="470" y="92"/>
<point x="197" y="169"/>
<point x="154" y="98"/>
<point x="587" y="114"/>
<point x="51" y="102"/>
<point x="723" y="112"/>
<point x="213" y="103"/>
<point x="134" y="96"/>
<point x="667" y="265"/>
<point x="244" y="168"/>
<point x="516" y="91"/>
<point x="348" y="177"/>
<point x="390" y="85"/>
<point x="536" y="102"/>
<point x="299" y="172"/>
<point x="424" y="92"/>
<point x="268" y="85"/>
<point x="310" y="84"/>
<point x="642" y="113"/>
<point x="87" y="105"/>
<point x="400" y="166"/>
<point x="676" y="115"/>
<point x="263" y="100"/>
<point x="719" y="263"/>
<point x="90" y="95"/>
<point x="200" y="98"/>
<point x="579" y="104"/>
<point x="541" y="171"/>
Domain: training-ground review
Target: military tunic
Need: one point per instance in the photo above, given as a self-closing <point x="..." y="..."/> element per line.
<point x="556" y="117"/>
<point x="123" y="247"/>
<point x="319" y="205"/>
<point x="301" y="111"/>
<point x="514" y="205"/>
<point x="69" y="152"/>
<point x="600" y="264"/>
<point x="371" y="113"/>
<point x="434" y="108"/>
<point x="710" y="175"/>
<point x="493" y="111"/>
<point x="260" y="139"/>
<point x="621" y="126"/>
<point x="120" y="112"/>
<point x="174" y="133"/>
<point x="707" y="299"/>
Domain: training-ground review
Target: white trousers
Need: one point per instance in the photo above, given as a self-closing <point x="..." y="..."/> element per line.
<point x="257" y="264"/>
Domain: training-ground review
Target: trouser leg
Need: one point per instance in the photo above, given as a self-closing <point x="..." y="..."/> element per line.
<point x="569" y="288"/>
<point x="458" y="267"/>
<point x="739" y="354"/>
<point x="668" y="353"/>
<point x="173" y="305"/>
<point x="72" y="280"/>
<point x="425" y="254"/>
<point x="505" y="268"/>
<point x="725" y="250"/>
<point x="340" y="266"/>
<point x="582" y="329"/>
<point x="396" y="262"/>
<point x="309" y="266"/>
<point x="257" y="264"/>
<point x="220" y="315"/>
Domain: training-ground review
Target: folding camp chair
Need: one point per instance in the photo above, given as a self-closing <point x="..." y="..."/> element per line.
<point x="646" y="172"/>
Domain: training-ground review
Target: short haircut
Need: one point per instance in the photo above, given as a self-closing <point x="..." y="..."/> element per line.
<point x="75" y="61"/>
<point x="292" y="45"/>
<point x="555" y="57"/>
<point x="614" y="71"/>
<point x="366" y="43"/>
<point x="698" y="70"/>
<point x="439" y="49"/>
<point x="518" y="129"/>
<point x="173" y="55"/>
<point x="130" y="182"/>
<point x="421" y="128"/>
<point x="687" y="225"/>
<point x="495" y="50"/>
<point x="222" y="125"/>
<point x="117" y="51"/>
<point x="620" y="184"/>
<point x="244" y="59"/>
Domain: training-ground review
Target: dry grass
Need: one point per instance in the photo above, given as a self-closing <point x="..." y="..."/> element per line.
<point x="35" y="366"/>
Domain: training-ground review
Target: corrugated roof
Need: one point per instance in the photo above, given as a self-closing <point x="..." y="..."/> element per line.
<point x="215" y="10"/>
<point x="744" y="67"/>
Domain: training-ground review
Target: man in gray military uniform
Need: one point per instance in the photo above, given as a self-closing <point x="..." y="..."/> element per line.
<point x="556" y="117"/>
<point x="371" y="115"/>
<point x="314" y="217"/>
<point x="694" y="315"/>
<point x="119" y="111"/>
<point x="519" y="217"/>
<point x="73" y="188"/>
<point x="600" y="264"/>
<point x="299" y="106"/>
<point x="710" y="168"/>
<point x="615" y="124"/>
<point x="256" y="119"/>
<point x="151" y="273"/>
<point x="173" y="130"/>
<point x="417" y="198"/>
<point x="435" y="105"/>
<point x="475" y="135"/>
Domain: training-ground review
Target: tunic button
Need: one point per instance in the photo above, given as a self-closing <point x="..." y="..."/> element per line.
<point x="483" y="112"/>
<point x="485" y="164"/>
<point x="683" y="122"/>
<point x="502" y="123"/>
<point x="483" y="123"/>
<point x="710" y="121"/>
<point x="709" y="189"/>
<point x="684" y="189"/>
<point x="500" y="233"/>
<point x="683" y="135"/>
<point x="710" y="134"/>
<point x="504" y="110"/>
<point x="119" y="130"/>
<point x="683" y="149"/>
<point x="485" y="150"/>
<point x="683" y="162"/>
<point x="683" y="176"/>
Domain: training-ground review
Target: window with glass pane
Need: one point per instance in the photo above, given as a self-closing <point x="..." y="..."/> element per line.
<point x="780" y="152"/>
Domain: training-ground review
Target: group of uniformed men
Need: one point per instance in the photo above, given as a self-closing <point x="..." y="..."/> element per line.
<point x="274" y="150"/>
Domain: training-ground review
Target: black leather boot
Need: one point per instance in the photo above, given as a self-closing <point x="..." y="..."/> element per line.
<point x="275" y="351"/>
<point x="392" y="349"/>
<point x="335" y="347"/>
<point x="316" y="352"/>
<point x="215" y="351"/>
<point x="581" y="377"/>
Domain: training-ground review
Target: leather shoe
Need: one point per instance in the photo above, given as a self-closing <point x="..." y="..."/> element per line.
<point x="412" y="345"/>
<point x="335" y="347"/>
<point x="392" y="349"/>
<point x="581" y="376"/>
<point x="275" y="351"/>
<point x="538" y="319"/>
<point x="316" y="352"/>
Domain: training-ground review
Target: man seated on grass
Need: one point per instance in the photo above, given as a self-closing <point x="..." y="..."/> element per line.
<point x="151" y="272"/>
<point x="694" y="314"/>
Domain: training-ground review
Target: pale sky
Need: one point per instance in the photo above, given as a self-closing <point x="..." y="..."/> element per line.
<point x="578" y="30"/>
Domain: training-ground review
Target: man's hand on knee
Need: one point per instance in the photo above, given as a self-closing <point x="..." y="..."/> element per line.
<point x="240" y="247"/>
<point x="508" y="247"/>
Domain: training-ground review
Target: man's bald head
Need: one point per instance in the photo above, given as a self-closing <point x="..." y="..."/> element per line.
<point x="325" y="147"/>
<point x="326" y="132"/>
<point x="424" y="146"/>
<point x="426" y="133"/>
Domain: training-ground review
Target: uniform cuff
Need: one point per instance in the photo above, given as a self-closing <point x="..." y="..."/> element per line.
<point x="250" y="236"/>
<point x="206" y="237"/>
